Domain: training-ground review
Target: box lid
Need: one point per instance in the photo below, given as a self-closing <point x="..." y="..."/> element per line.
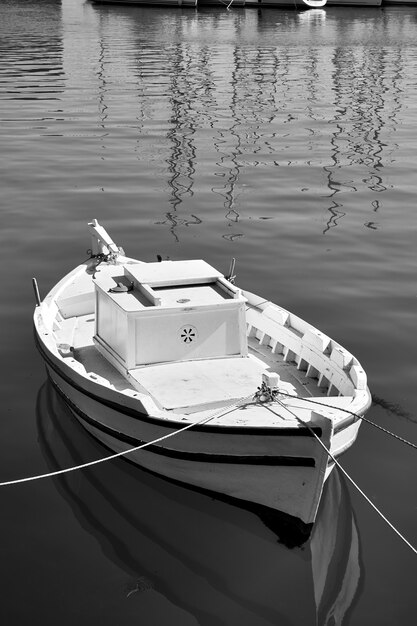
<point x="173" y="273"/>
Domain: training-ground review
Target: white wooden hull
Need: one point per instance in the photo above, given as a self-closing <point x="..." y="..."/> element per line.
<point x="282" y="471"/>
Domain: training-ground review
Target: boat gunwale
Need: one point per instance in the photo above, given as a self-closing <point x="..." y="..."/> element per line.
<point x="195" y="457"/>
<point x="278" y="430"/>
<point x="281" y="430"/>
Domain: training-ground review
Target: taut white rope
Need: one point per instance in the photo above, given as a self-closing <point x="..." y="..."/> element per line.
<point x="362" y="417"/>
<point x="363" y="494"/>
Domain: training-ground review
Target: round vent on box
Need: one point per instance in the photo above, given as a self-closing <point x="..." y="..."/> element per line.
<point x="188" y="334"/>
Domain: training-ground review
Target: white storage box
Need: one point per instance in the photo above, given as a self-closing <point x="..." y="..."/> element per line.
<point x="172" y="311"/>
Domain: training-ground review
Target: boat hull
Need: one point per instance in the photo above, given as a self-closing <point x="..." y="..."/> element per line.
<point x="281" y="470"/>
<point x="299" y="4"/>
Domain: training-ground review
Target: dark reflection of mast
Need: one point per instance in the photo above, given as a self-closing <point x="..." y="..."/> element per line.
<point x="312" y="90"/>
<point x="335" y="216"/>
<point x="312" y="96"/>
<point x="229" y="160"/>
<point x="187" y="75"/>
<point x="366" y="86"/>
<point x="172" y="220"/>
<point x="183" y="153"/>
<point x="333" y="170"/>
<point x="144" y="109"/>
<point x="216" y="561"/>
<point x="102" y="89"/>
<point x="253" y="108"/>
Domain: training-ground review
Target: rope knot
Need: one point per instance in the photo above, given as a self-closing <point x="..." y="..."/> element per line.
<point x="265" y="393"/>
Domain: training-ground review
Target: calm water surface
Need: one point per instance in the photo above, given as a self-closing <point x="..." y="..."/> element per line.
<point x="286" y="140"/>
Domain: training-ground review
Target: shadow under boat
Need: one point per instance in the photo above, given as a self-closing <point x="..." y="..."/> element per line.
<point x="219" y="562"/>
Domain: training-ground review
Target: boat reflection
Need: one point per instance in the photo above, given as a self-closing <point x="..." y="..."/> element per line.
<point x="317" y="16"/>
<point x="217" y="562"/>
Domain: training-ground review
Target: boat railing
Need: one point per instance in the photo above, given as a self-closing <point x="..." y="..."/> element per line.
<point x="314" y="353"/>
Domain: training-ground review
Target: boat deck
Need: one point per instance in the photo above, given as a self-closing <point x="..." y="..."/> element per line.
<point x="207" y="383"/>
<point x="215" y="382"/>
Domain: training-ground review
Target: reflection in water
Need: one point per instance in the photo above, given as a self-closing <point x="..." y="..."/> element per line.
<point x="335" y="215"/>
<point x="314" y="16"/>
<point x="173" y="221"/>
<point x="102" y="106"/>
<point x="395" y="409"/>
<point x="215" y="561"/>
<point x="188" y="89"/>
<point x="367" y="98"/>
<point x="228" y="145"/>
<point x="226" y="109"/>
<point x="181" y="136"/>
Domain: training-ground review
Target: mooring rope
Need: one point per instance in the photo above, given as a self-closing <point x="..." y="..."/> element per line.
<point x="220" y="413"/>
<point x="336" y="462"/>
<point x="353" y="414"/>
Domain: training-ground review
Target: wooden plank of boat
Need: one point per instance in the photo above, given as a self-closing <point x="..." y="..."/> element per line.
<point x="140" y="349"/>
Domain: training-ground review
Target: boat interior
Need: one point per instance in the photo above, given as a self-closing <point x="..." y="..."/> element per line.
<point x="308" y="364"/>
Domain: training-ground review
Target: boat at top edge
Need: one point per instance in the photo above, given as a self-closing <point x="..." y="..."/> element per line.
<point x="141" y="350"/>
<point x="299" y="4"/>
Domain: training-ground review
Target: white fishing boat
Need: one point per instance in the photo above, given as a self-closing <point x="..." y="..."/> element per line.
<point x="224" y="390"/>
<point x="299" y="4"/>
